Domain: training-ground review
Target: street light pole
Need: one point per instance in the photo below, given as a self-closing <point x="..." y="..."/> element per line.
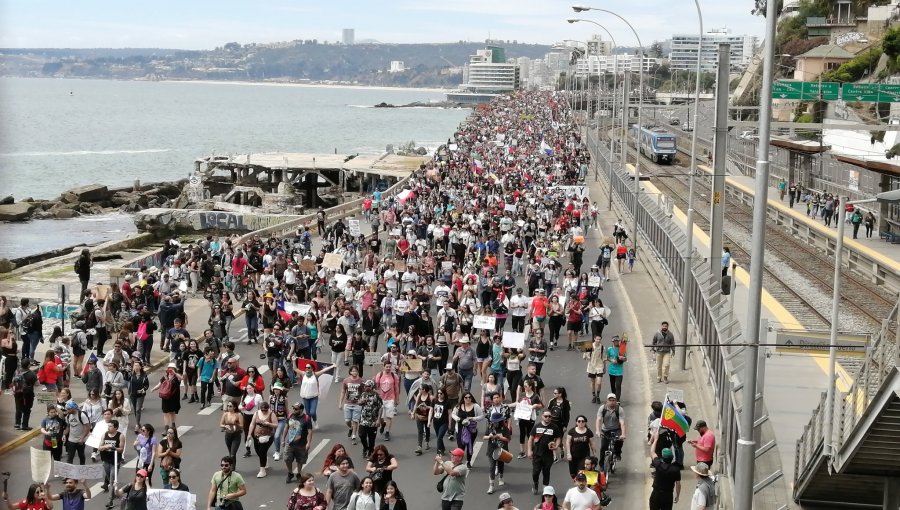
<point x="637" y="156"/>
<point x="689" y="257"/>
<point x="746" y="447"/>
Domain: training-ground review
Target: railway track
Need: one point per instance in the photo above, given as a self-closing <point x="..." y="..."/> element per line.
<point x="801" y="278"/>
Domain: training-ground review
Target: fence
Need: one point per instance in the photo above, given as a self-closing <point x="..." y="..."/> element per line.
<point x="716" y="333"/>
<point x="155" y="258"/>
<point x="849" y="407"/>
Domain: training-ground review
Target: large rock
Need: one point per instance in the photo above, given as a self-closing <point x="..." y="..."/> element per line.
<point x="7" y="200"/>
<point x="63" y="214"/>
<point x="167" y="190"/>
<point x="91" y="193"/>
<point x="6" y="266"/>
<point x="15" y="212"/>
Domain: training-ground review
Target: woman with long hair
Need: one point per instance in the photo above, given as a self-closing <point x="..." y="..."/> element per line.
<point x="560" y="409"/>
<point x="596" y="367"/>
<point x="337" y="451"/>
<point x="597" y="316"/>
<point x="9" y="353"/>
<point x="251" y="306"/>
<point x="120" y="407"/>
<point x="579" y="444"/>
<point x="556" y="320"/>
<point x="366" y="496"/>
<point x="466" y="416"/>
<point x="145" y="444"/>
<point x="381" y="466"/>
<point x="262" y="429"/>
<point x="168" y="451"/>
<point x="37" y="499"/>
<point x="135" y="493"/>
<point x="393" y="498"/>
<point x="531" y="398"/>
<point x="249" y="403"/>
<point x="548" y="500"/>
<point x="306" y="496"/>
<point x="232" y="424"/>
<point x="137" y="390"/>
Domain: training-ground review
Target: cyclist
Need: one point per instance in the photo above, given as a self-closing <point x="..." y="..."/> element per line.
<point x="610" y="424"/>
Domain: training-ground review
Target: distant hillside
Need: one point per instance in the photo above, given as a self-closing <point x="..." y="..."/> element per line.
<point x="426" y="64"/>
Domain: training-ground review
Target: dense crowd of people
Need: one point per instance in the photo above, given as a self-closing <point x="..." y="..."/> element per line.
<point x="471" y="278"/>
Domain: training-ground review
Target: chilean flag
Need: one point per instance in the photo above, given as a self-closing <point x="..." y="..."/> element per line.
<point x="285" y="310"/>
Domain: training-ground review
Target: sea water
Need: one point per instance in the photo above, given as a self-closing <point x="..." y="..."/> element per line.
<point x="57" y="134"/>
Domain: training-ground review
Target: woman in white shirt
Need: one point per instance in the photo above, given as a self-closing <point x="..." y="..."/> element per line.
<point x="309" y="390"/>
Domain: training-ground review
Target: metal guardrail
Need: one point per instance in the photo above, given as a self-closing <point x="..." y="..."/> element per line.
<point x="849" y="406"/>
<point x="154" y="257"/>
<point x="713" y="323"/>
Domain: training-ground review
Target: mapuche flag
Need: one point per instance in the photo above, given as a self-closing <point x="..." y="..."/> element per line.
<point x="674" y="420"/>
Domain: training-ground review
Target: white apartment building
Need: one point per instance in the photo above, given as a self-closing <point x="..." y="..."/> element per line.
<point x="397" y="66"/>
<point x="489" y="72"/>
<point x="348" y="36"/>
<point x="597" y="64"/>
<point x="685" y="48"/>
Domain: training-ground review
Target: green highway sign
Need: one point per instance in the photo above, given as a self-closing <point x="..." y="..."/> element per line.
<point x="860" y="92"/>
<point x="890" y="93"/>
<point x="805" y="90"/>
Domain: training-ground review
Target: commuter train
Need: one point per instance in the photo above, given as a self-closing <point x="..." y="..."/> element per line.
<point x="656" y="143"/>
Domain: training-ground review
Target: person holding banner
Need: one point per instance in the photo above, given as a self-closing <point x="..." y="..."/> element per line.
<point x="73" y="498"/>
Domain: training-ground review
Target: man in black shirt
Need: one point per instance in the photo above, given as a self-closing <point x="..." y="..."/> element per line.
<point x="666" y="481"/>
<point x="542" y="442"/>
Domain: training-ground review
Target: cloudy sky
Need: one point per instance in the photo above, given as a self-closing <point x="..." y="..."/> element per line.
<point x="205" y="24"/>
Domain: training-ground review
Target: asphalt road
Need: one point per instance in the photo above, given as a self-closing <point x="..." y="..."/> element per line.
<point x="204" y="443"/>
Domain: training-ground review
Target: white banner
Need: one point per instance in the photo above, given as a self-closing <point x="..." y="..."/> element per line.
<point x="523" y="411"/>
<point x="86" y="472"/>
<point x="163" y="499"/>
<point x="484" y="322"/>
<point x="510" y="207"/>
<point x="41" y="465"/>
<point x="579" y="191"/>
<point x="593" y="281"/>
<point x="95" y="439"/>
<point x="513" y="340"/>
<point x="353" y="227"/>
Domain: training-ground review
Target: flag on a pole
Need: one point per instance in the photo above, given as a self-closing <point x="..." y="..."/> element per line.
<point x="673" y="419"/>
<point x="546" y="149"/>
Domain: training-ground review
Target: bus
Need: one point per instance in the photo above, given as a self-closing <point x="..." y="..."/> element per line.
<point x="656" y="143"/>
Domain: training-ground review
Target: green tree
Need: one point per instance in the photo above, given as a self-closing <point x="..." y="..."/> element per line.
<point x="891" y="43"/>
<point x="656" y="49"/>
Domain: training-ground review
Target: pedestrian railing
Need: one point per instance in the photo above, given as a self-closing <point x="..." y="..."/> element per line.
<point x="718" y="336"/>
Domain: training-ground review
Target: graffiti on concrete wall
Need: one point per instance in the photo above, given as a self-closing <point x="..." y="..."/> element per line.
<point x="217" y="220"/>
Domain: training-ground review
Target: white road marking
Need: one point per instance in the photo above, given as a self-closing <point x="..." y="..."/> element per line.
<point x="315" y="451"/>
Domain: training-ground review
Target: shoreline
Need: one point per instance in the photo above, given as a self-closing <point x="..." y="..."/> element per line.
<point x="246" y="82"/>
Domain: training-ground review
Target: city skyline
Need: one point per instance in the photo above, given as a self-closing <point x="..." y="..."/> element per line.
<point x="204" y="24"/>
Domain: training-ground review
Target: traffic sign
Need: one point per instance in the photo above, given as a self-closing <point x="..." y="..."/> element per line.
<point x="805" y="90"/>
<point x="815" y="342"/>
<point x="890" y="93"/>
<point x="860" y="92"/>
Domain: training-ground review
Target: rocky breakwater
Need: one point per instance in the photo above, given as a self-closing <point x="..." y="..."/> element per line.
<point x="93" y="199"/>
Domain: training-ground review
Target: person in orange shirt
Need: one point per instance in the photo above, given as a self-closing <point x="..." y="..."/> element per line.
<point x="539" y="309"/>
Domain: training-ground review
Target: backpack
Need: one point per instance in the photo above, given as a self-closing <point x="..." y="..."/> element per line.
<point x="711" y="491"/>
<point x="141" y="334"/>
<point x="603" y="413"/>
<point x="167" y="388"/>
<point x="17" y="385"/>
<point x="28" y="320"/>
<point x="77" y="266"/>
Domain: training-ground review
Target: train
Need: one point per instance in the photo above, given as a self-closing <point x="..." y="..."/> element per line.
<point x="656" y="143"/>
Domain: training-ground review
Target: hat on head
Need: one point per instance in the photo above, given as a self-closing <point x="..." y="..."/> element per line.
<point x="464" y="340"/>
<point x="369" y="383"/>
<point x="71" y="405"/>
<point x="171" y="365"/>
<point x="236" y="357"/>
<point x="142" y="472"/>
<point x="298" y="405"/>
<point x="580" y="477"/>
<point x="497" y="417"/>
<point x="278" y="386"/>
<point x="612" y="396"/>
<point x="505" y="497"/>
<point x="700" y="424"/>
<point x="411" y="351"/>
<point x="667" y="453"/>
<point x="616" y="339"/>
<point x="701" y="469"/>
<point x="458" y="452"/>
<point x="128" y="277"/>
<point x="549" y="491"/>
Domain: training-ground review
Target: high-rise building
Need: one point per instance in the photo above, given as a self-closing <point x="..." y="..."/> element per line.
<point x="686" y="47"/>
<point x="486" y="75"/>
<point x="348" y="36"/>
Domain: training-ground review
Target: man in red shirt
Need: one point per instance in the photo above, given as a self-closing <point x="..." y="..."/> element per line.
<point x="573" y="319"/>
<point x="705" y="444"/>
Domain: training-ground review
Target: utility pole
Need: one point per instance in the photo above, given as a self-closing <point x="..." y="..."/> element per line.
<point x="717" y="212"/>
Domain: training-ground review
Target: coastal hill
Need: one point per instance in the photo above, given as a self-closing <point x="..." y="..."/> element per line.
<point x="426" y="65"/>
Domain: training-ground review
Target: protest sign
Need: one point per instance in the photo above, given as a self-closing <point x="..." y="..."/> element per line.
<point x="307" y="266"/>
<point x="95" y="439"/>
<point x="353" y="228"/>
<point x="101" y="291"/>
<point x="523" y="411"/>
<point x="593" y="281"/>
<point x="373" y="358"/>
<point x="510" y="207"/>
<point x="332" y="261"/>
<point x="447" y="265"/>
<point x="85" y="472"/>
<point x="165" y="499"/>
<point x="411" y="365"/>
<point x="484" y="322"/>
<point x="513" y="340"/>
<point x="342" y="280"/>
<point x="41" y="465"/>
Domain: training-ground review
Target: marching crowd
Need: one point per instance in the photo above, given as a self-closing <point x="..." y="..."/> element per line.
<point x="473" y="276"/>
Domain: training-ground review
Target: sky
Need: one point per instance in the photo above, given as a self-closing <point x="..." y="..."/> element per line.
<point x="205" y="24"/>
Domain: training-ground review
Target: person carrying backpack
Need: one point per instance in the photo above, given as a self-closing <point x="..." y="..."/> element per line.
<point x="83" y="268"/>
<point x="22" y="386"/>
<point x="30" y="326"/>
<point x="705" y="493"/>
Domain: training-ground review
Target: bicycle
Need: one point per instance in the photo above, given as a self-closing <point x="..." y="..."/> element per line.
<point x="609" y="455"/>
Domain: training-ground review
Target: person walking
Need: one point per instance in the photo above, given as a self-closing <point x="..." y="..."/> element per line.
<point x="663" y="345"/>
<point x="580" y="497"/>
<point x="453" y="484"/>
<point x="542" y="444"/>
<point x="83" y="268"/>
<point x="704" y="497"/>
<point x="856" y="219"/>
<point x="262" y="430"/>
<point x="226" y="488"/>
<point x="341" y="485"/>
<point x="615" y="367"/>
<point x="296" y="438"/>
<point x="134" y="495"/>
<point x="705" y="444"/>
<point x="666" y="480"/>
<point x="869" y="221"/>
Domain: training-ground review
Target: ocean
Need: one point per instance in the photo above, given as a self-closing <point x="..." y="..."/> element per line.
<point x="57" y="134"/>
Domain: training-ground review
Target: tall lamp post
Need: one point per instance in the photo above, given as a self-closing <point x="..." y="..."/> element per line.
<point x="613" y="96"/>
<point x="637" y="155"/>
<point x="828" y="433"/>
<point x="686" y="271"/>
<point x="578" y="86"/>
